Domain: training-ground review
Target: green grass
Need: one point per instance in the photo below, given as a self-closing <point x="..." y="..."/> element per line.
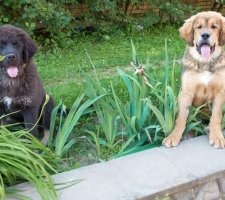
<point x="60" y="69"/>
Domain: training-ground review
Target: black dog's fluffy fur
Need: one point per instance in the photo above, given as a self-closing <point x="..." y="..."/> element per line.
<point x="20" y="85"/>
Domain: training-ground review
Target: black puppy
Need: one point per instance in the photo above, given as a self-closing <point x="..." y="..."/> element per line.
<point x="20" y="85"/>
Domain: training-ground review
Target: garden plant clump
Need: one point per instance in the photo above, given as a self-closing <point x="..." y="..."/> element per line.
<point x="118" y="123"/>
<point x="56" y="22"/>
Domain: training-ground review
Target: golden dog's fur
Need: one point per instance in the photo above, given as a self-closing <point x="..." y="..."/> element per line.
<point x="203" y="78"/>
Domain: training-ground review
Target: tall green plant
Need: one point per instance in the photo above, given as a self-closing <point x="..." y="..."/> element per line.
<point x="173" y="10"/>
<point x="62" y="142"/>
<point x="165" y="112"/>
<point x="107" y="133"/>
<point x="163" y="102"/>
<point x="135" y="115"/>
<point x="20" y="160"/>
<point x="124" y="126"/>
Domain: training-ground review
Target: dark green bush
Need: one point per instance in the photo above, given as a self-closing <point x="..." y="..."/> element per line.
<point x="173" y="11"/>
<point x="41" y="17"/>
<point x="118" y="14"/>
<point x="53" y="22"/>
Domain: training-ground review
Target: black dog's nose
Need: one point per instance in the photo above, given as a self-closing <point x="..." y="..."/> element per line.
<point x="205" y="36"/>
<point x="11" y="57"/>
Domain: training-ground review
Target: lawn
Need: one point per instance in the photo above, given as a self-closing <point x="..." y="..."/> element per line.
<point x="61" y="69"/>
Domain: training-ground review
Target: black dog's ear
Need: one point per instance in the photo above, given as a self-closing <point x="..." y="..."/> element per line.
<point x="29" y="49"/>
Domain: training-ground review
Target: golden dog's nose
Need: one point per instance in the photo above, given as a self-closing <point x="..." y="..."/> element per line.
<point x="205" y="35"/>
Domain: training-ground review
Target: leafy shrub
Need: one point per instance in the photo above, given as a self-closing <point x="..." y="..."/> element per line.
<point x="107" y="15"/>
<point x="52" y="21"/>
<point x="217" y="5"/>
<point x="172" y="11"/>
<point x="46" y="17"/>
<point x="23" y="157"/>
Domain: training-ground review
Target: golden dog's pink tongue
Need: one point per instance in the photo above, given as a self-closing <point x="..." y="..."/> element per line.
<point x="12" y="71"/>
<point x="205" y="50"/>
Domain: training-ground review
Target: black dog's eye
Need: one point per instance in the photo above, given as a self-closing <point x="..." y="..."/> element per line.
<point x="2" y="42"/>
<point x="14" y="43"/>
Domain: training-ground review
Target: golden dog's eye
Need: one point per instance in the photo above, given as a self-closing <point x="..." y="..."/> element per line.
<point x="199" y="27"/>
<point x="213" y="27"/>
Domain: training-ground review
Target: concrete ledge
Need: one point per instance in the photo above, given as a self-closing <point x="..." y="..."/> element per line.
<point x="151" y="174"/>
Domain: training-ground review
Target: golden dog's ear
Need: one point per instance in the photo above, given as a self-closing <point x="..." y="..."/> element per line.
<point x="222" y="32"/>
<point x="187" y="32"/>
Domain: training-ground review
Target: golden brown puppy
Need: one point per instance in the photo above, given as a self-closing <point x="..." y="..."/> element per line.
<point x="203" y="78"/>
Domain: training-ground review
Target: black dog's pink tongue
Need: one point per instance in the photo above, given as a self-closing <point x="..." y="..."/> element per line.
<point x="12" y="71"/>
<point x="205" y="51"/>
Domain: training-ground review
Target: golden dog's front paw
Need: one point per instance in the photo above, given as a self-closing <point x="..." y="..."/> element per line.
<point x="217" y="140"/>
<point x="172" y="140"/>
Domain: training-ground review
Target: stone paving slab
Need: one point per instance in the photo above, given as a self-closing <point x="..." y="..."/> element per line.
<point x="143" y="175"/>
